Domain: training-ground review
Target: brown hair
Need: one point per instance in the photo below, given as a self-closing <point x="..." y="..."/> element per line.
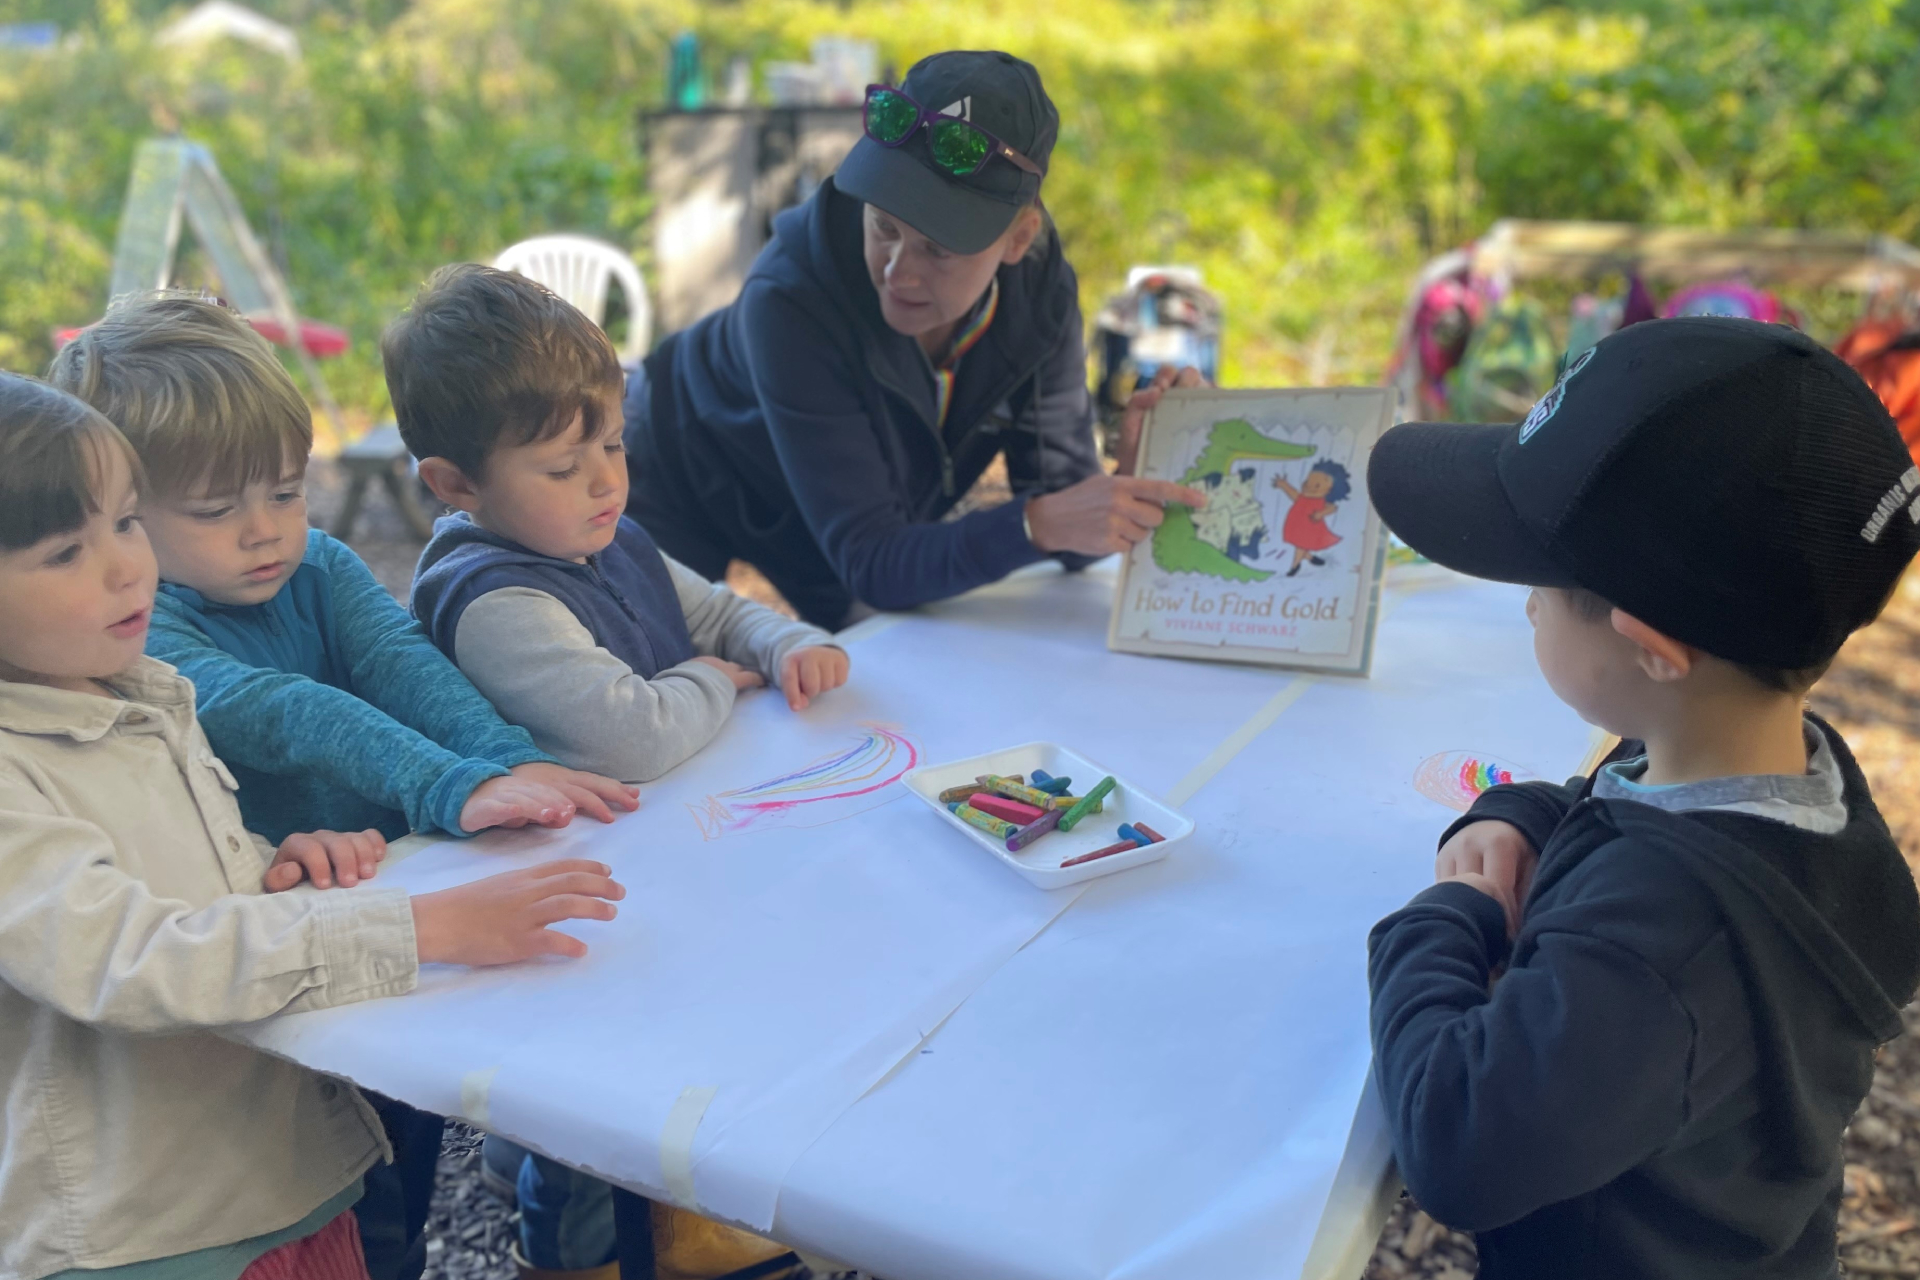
<point x="485" y="358"/>
<point x="1594" y="608"/>
<point x="199" y="393"/>
<point x="52" y="454"/>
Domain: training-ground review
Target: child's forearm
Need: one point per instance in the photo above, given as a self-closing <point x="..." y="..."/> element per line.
<point x="1490" y="1095"/>
<point x="531" y="657"/>
<point x="129" y="959"/>
<point x="280" y="723"/>
<point x="724" y="625"/>
<point x="397" y="669"/>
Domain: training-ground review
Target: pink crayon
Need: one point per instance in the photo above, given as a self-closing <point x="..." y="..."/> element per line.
<point x="1001" y="807"/>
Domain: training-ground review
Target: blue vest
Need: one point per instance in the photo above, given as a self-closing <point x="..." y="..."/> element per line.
<point x="624" y="595"/>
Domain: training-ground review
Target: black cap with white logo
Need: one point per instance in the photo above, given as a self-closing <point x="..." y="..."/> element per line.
<point x="996" y="91"/>
<point x="1730" y="483"/>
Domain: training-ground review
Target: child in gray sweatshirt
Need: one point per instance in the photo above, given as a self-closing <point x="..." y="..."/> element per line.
<point x="559" y="608"/>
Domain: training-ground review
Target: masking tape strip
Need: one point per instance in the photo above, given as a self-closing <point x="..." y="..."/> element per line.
<point x="1599" y="744"/>
<point x="1237" y="741"/>
<point x="676" y="1142"/>
<point x="476" y="1094"/>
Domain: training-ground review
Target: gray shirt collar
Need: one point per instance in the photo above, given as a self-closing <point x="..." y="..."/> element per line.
<point x="1813" y="801"/>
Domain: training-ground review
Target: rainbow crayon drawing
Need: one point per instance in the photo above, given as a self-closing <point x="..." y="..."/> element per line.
<point x="828" y="789"/>
<point x="1457" y="778"/>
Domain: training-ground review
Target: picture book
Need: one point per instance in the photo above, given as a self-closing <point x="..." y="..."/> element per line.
<point x="1282" y="565"/>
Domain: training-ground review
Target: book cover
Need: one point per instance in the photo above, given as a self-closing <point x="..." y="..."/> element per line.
<point x="1282" y="566"/>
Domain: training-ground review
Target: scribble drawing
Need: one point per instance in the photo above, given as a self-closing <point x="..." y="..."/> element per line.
<point x="834" y="787"/>
<point x="1457" y="778"/>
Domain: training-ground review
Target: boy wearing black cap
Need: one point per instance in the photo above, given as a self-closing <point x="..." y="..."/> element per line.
<point x="1718" y="929"/>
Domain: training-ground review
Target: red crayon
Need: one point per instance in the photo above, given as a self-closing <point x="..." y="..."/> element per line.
<point x="1148" y="832"/>
<point x="1107" y="852"/>
<point x="1013" y="811"/>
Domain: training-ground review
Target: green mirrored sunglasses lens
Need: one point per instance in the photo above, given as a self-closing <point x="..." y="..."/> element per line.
<point x="959" y="147"/>
<point x="890" y="116"/>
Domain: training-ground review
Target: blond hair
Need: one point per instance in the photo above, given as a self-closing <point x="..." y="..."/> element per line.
<point x="197" y="391"/>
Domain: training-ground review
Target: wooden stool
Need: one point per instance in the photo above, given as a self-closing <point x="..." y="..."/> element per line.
<point x="380" y="455"/>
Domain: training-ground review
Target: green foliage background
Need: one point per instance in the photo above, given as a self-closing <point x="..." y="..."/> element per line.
<point x="1308" y="154"/>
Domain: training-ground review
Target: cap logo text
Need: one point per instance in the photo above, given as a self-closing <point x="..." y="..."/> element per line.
<point x="1890" y="503"/>
<point x="1549" y="404"/>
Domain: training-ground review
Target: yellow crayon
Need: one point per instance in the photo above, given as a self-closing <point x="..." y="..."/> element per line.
<point x="1024" y="794"/>
<point x="996" y="827"/>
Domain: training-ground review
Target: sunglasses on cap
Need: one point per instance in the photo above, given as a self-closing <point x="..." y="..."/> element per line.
<point x="959" y="146"/>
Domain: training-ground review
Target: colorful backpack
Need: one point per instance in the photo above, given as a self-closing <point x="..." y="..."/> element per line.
<point x="1509" y="363"/>
<point x="1448" y="313"/>
<point x="1887" y="354"/>
<point x="1725" y="298"/>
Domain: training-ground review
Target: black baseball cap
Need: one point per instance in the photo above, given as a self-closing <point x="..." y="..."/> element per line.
<point x="996" y="91"/>
<point x="1731" y="483"/>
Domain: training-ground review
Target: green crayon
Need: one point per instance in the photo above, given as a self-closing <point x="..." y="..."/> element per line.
<point x="1085" y="804"/>
<point x="995" y="827"/>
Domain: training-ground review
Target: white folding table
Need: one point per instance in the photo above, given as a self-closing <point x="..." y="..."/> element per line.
<point x="827" y="1017"/>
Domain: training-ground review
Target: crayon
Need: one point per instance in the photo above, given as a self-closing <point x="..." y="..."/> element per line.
<point x="1121" y="847"/>
<point x="1084" y="805"/>
<point x="1132" y="831"/>
<point x="1009" y="810"/>
<point x="1067" y="802"/>
<point x="1034" y="830"/>
<point x="1148" y="832"/>
<point x="958" y="794"/>
<point x="1020" y="791"/>
<point x="986" y="822"/>
<point x="982" y="779"/>
<point x="1044" y="781"/>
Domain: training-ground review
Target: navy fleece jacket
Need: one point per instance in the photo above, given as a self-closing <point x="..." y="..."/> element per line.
<point x="796" y="430"/>
<point x="1658" y="1084"/>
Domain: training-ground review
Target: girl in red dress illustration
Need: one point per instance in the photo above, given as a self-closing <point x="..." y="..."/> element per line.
<point x="1314" y="503"/>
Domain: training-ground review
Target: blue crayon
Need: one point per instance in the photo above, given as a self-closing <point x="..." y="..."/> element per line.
<point x="1044" y="781"/>
<point x="1130" y="832"/>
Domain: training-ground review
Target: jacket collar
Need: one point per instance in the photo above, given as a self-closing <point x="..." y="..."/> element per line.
<point x="819" y="244"/>
<point x="85" y="717"/>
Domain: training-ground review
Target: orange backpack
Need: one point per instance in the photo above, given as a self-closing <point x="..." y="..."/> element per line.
<point x="1887" y="354"/>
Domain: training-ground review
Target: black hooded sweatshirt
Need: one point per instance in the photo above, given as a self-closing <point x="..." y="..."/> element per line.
<point x="1658" y="1084"/>
<point x="796" y="430"/>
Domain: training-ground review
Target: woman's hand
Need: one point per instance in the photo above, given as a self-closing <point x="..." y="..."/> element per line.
<point x="1103" y="514"/>
<point x="1142" y="400"/>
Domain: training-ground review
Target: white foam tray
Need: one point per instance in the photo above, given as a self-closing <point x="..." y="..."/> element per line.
<point x="1040" y="861"/>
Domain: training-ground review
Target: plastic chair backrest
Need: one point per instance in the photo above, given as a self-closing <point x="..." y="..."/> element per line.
<point x="579" y="269"/>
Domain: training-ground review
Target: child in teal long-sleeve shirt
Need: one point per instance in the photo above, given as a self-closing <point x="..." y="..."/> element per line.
<point x="330" y="705"/>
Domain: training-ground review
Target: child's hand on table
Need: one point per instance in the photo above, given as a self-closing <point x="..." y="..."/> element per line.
<point x="590" y="793"/>
<point x="326" y="858"/>
<point x="742" y="678"/>
<point x="505" y="918"/>
<point x="807" y="673"/>
<point x="1493" y="857"/>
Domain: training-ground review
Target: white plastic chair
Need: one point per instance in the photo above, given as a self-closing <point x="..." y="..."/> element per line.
<point x="579" y="269"/>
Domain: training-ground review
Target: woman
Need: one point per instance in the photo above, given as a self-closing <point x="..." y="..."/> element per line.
<point x="912" y="321"/>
